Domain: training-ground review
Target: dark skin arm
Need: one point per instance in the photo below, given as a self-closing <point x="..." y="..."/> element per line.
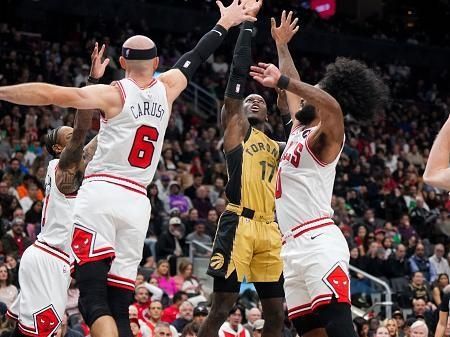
<point x="326" y="141"/>
<point x="71" y="166"/>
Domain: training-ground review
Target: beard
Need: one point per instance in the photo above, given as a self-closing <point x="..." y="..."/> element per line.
<point x="306" y="115"/>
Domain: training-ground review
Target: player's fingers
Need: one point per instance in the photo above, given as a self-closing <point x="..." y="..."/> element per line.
<point x="94" y="52"/>
<point x="259" y="79"/>
<point x="102" y="50"/>
<point x="263" y="65"/>
<point x="296" y="29"/>
<point x="106" y="62"/>
<point x="256" y="69"/>
<point x="283" y="17"/>
<point x="273" y="23"/>
<point x="289" y="17"/>
<point x="294" y="23"/>
<point x="220" y="5"/>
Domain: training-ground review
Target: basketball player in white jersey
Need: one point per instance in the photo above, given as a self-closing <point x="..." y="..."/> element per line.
<point x="44" y="272"/>
<point x="315" y="252"/>
<point x="112" y="211"/>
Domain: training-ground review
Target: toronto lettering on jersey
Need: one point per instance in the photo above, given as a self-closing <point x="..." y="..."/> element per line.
<point x="256" y="147"/>
<point x="153" y="109"/>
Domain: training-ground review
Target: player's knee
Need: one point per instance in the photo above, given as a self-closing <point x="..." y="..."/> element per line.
<point x="91" y="279"/>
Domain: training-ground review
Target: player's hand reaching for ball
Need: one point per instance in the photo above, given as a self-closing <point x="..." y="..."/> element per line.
<point x="266" y="74"/>
<point x="286" y="30"/>
<point x="253" y="6"/>
<point x="97" y="65"/>
<point x="236" y="13"/>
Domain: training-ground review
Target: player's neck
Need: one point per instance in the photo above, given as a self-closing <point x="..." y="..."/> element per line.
<point x="259" y="126"/>
<point x="141" y="78"/>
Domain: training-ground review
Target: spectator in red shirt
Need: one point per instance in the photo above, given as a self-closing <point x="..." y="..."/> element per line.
<point x="15" y="241"/>
<point x="170" y="313"/>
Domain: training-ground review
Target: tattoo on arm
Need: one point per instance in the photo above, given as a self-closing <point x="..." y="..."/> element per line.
<point x="89" y="150"/>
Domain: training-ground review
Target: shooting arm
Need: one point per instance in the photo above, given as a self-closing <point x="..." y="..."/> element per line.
<point x="287" y="67"/>
<point x="71" y="167"/>
<point x="233" y="117"/>
<point x="89" y="150"/>
<point x="437" y="171"/>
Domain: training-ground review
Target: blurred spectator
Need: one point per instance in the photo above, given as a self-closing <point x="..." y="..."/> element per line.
<point x="422" y="311"/>
<point x="153" y="315"/>
<point x="156" y="217"/>
<point x="65" y="331"/>
<point x="188" y="283"/>
<point x="382" y="331"/>
<point x="185" y="316"/>
<point x="418" y="288"/>
<point x="165" y="281"/>
<point x="419" y="329"/>
<point x="219" y="185"/>
<point x="438" y="260"/>
<point x="201" y="201"/>
<point x="191" y="330"/>
<point x="15" y="241"/>
<point x="200" y="236"/>
<point x="8" y="292"/>
<point x="400" y="320"/>
<point x="200" y="314"/>
<point x="73" y="294"/>
<point x="391" y="325"/>
<point x="211" y="223"/>
<point x="162" y="329"/>
<point x="143" y="328"/>
<point x="171" y="244"/>
<point x="177" y="199"/>
<point x="191" y="191"/>
<point x="135" y="327"/>
<point x="253" y="315"/>
<point x="258" y="327"/>
<point x="419" y="262"/>
<point x="233" y="326"/>
<point x="170" y="313"/>
<point x="438" y="288"/>
<point x="219" y="206"/>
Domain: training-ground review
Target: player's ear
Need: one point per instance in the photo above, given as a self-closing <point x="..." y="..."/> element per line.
<point x="156" y="63"/>
<point x="123" y="63"/>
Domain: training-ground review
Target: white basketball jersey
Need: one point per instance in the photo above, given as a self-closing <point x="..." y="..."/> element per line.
<point x="130" y="144"/>
<point x="57" y="217"/>
<point x="304" y="184"/>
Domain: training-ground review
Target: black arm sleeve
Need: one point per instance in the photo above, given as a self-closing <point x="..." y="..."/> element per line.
<point x="287" y="125"/>
<point x="189" y="62"/>
<point x="242" y="60"/>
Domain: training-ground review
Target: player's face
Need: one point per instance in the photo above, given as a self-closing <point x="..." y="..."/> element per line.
<point x="255" y="108"/>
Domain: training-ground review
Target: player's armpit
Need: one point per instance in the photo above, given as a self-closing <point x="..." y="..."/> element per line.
<point x="323" y="146"/>
<point x="175" y="82"/>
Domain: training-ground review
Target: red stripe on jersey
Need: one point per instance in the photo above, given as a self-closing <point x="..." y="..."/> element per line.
<point x="114" y="177"/>
<point x="44" y="217"/>
<point x="122" y="92"/>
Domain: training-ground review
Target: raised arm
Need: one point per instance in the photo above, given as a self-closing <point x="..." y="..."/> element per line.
<point x="176" y="79"/>
<point x="282" y="35"/>
<point x="326" y="142"/>
<point x="71" y="164"/>
<point x="437" y="171"/>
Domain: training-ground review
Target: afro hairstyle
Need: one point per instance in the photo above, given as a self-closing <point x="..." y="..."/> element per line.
<point x="359" y="90"/>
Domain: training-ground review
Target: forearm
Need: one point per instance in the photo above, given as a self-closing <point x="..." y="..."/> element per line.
<point x="287" y="67"/>
<point x="437" y="171"/>
<point x="440" y="330"/>
<point x="27" y="94"/>
<point x="191" y="61"/>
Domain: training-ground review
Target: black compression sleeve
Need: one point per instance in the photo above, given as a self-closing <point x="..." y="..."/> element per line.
<point x="242" y="60"/>
<point x="287" y="125"/>
<point x="189" y="62"/>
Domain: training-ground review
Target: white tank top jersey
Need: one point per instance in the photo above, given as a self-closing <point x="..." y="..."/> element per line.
<point x="57" y="213"/>
<point x="129" y="144"/>
<point x="304" y="183"/>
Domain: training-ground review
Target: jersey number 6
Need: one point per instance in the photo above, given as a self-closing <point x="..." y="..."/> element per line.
<point x="141" y="153"/>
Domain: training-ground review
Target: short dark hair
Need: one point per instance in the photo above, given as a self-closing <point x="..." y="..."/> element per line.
<point x="51" y="139"/>
<point x="178" y="296"/>
<point x="358" y="89"/>
<point x="235" y="308"/>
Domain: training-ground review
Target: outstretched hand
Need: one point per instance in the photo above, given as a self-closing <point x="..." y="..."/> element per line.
<point x="286" y="30"/>
<point x="253" y="6"/>
<point x="266" y="74"/>
<point x="98" y="66"/>
<point x="236" y="13"/>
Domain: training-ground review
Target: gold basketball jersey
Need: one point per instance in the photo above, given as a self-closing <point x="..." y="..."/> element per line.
<point x="252" y="169"/>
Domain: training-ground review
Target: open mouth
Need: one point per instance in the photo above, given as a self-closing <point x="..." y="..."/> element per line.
<point x="254" y="108"/>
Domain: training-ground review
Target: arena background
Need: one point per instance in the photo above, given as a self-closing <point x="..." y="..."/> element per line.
<point x="391" y="219"/>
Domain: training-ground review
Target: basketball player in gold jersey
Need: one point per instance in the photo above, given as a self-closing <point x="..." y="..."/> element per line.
<point x="248" y="241"/>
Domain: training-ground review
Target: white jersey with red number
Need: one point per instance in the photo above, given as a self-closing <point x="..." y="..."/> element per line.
<point x="304" y="185"/>
<point x="57" y="215"/>
<point x="130" y="144"/>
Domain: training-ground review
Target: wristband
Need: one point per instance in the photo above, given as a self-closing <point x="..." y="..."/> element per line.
<point x="283" y="82"/>
<point x="93" y="80"/>
<point x="219" y="29"/>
